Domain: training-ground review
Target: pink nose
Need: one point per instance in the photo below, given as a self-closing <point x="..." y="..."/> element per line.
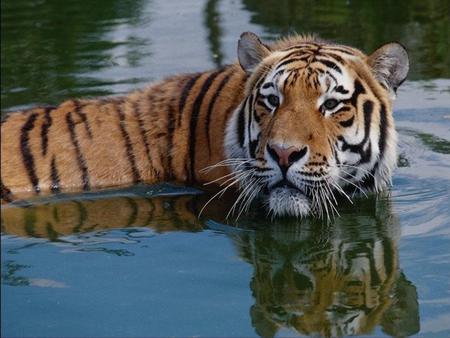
<point x="286" y="156"/>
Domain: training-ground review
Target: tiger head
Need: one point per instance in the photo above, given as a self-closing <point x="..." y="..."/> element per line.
<point x="316" y="121"/>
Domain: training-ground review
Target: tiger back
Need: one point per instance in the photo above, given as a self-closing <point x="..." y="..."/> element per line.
<point x="152" y="135"/>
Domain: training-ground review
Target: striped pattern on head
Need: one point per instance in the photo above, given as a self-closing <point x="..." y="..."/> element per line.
<point x="316" y="122"/>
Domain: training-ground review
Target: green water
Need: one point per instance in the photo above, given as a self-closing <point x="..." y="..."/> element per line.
<point x="141" y="262"/>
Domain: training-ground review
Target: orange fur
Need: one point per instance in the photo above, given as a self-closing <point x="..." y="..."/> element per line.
<point x="142" y="137"/>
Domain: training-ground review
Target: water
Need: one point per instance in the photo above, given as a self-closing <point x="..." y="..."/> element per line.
<point x="140" y="262"/>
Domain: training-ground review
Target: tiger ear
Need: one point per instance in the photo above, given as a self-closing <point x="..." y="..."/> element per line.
<point x="390" y="64"/>
<point x="251" y="51"/>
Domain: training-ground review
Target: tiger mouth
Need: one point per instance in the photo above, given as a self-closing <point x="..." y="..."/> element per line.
<point x="286" y="199"/>
<point x="285" y="185"/>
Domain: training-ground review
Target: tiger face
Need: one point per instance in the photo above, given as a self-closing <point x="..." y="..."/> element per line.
<point x="316" y="122"/>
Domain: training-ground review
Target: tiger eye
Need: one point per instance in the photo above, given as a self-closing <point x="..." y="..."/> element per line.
<point x="273" y="100"/>
<point x="330" y="104"/>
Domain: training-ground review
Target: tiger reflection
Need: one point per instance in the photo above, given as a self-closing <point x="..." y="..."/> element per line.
<point x="335" y="280"/>
<point x="53" y="220"/>
<point x="339" y="281"/>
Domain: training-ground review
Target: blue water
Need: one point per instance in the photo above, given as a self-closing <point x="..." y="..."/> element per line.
<point x="141" y="262"/>
<point x="137" y="283"/>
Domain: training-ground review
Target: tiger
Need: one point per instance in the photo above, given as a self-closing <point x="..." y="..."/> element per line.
<point x="339" y="280"/>
<point x="295" y="123"/>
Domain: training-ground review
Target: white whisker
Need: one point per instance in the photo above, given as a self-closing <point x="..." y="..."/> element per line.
<point x="246" y="204"/>
<point x="355" y="167"/>
<point x="242" y="195"/>
<point x="356" y="186"/>
<point x="222" y="191"/>
<point x="226" y="163"/>
<point x="223" y="177"/>
<point x="339" y="188"/>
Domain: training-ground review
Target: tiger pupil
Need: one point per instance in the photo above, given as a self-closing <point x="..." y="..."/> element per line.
<point x="331" y="103"/>
<point x="273" y="100"/>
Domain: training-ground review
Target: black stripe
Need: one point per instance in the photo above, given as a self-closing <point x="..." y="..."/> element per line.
<point x="128" y="146"/>
<point x="194" y="118"/>
<point x="252" y="148"/>
<point x="142" y="131"/>
<point x="250" y="118"/>
<point x="305" y="45"/>
<point x="150" y="216"/>
<point x="52" y="235"/>
<point x="359" y="89"/>
<point x="342" y="110"/>
<point x="241" y="124"/>
<point x="316" y="82"/>
<point x="6" y="193"/>
<point x="341" y="89"/>
<point x="83" y="215"/>
<point x="170" y="131"/>
<point x="339" y="49"/>
<point x="184" y="95"/>
<point x="288" y="61"/>
<point x="329" y="64"/>
<point x="334" y="56"/>
<point x="383" y="131"/>
<point x="45" y="127"/>
<point x="80" y="158"/>
<point x="367" y="110"/>
<point x="27" y="156"/>
<point x="134" y="211"/>
<point x="262" y="79"/>
<point x="298" y="52"/>
<point x="30" y="222"/>
<point x="211" y="107"/>
<point x="78" y="110"/>
<point x="359" y="148"/>
<point x="55" y="176"/>
<point x="277" y="74"/>
<point x="347" y="123"/>
<point x="268" y="85"/>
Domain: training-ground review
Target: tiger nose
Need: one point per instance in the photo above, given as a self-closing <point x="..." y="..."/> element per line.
<point x="286" y="156"/>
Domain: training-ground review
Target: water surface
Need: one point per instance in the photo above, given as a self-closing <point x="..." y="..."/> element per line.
<point x="141" y="262"/>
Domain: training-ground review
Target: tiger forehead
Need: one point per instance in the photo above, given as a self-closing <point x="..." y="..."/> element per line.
<point x="306" y="78"/>
<point x="315" y="58"/>
<point x="312" y="66"/>
<point x="311" y="63"/>
<point x="321" y="48"/>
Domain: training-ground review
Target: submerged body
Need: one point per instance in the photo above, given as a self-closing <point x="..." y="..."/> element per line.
<point x="295" y="123"/>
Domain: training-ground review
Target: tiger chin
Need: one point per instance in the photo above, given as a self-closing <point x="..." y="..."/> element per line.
<point x="298" y="123"/>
